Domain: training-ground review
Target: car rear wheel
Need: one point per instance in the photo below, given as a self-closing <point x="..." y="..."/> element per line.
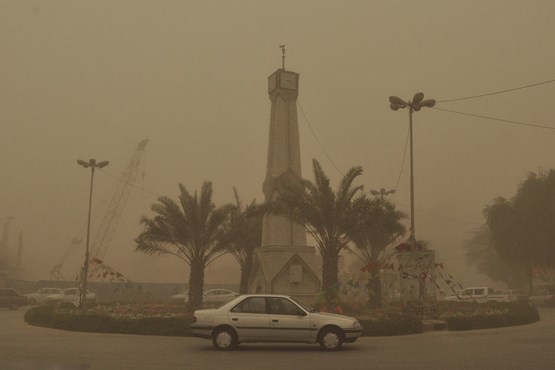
<point x="224" y="339"/>
<point x="331" y="339"/>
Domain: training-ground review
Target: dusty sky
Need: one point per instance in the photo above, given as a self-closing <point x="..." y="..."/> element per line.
<point x="84" y="80"/>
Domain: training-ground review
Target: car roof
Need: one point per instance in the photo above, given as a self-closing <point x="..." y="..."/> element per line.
<point x="265" y="295"/>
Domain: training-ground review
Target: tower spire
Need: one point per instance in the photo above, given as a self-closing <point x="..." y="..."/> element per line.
<point x="282" y="56"/>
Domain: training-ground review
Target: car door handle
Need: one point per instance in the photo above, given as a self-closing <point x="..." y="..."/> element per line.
<point x="275" y="320"/>
<point x="235" y="319"/>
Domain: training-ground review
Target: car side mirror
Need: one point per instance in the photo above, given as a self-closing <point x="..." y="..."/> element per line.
<point x="301" y="313"/>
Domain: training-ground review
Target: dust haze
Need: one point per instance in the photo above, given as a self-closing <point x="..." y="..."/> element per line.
<point x="87" y="80"/>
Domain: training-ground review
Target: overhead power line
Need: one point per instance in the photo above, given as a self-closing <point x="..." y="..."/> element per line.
<point x="402" y="164"/>
<point x="129" y="183"/>
<point x="496" y="119"/>
<point x="318" y="140"/>
<point x="402" y="161"/>
<point x="439" y="216"/>
<point x="496" y="92"/>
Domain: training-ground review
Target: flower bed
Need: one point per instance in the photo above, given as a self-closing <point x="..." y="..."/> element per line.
<point x="167" y="319"/>
<point x="140" y="310"/>
<point x="470" y="315"/>
<point x="164" y="319"/>
<point x="103" y="322"/>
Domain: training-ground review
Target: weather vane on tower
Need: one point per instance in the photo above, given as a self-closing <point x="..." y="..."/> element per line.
<point x="282" y="56"/>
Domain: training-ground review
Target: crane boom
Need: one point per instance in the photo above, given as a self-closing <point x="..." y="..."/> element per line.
<point x="116" y="203"/>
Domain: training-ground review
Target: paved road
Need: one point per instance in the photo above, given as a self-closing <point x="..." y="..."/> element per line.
<point x="24" y="347"/>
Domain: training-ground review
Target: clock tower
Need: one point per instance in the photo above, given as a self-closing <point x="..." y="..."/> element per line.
<point x="284" y="263"/>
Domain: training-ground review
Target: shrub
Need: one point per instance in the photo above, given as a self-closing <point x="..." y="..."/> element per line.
<point x="395" y="325"/>
<point x="39" y="314"/>
<point x="48" y="316"/>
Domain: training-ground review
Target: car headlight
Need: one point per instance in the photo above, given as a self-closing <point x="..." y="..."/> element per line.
<point x="357" y="325"/>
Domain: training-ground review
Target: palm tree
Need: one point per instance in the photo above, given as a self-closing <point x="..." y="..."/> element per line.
<point x="328" y="216"/>
<point x="187" y="230"/>
<point x="242" y="236"/>
<point x="379" y="226"/>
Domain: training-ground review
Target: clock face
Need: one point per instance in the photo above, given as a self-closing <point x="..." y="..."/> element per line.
<point x="288" y="80"/>
<point x="272" y="82"/>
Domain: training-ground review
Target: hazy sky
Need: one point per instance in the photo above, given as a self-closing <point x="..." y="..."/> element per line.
<point x="82" y="80"/>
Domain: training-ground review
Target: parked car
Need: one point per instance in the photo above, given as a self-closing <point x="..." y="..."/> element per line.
<point x="214" y="297"/>
<point x="11" y="299"/>
<point x="70" y="295"/>
<point x="273" y="318"/>
<point x="543" y="296"/>
<point x="514" y="295"/>
<point x="478" y="294"/>
<point x="180" y="298"/>
<point x="40" y="295"/>
<point x="210" y="298"/>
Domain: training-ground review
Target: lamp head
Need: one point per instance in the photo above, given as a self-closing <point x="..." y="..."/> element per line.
<point x="400" y="103"/>
<point x="102" y="164"/>
<point x="83" y="163"/>
<point x="427" y="103"/>
<point x="418" y="97"/>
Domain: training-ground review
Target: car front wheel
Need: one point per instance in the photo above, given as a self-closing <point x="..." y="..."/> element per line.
<point x="331" y="339"/>
<point x="224" y="339"/>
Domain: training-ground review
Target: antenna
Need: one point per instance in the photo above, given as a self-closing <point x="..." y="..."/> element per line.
<point x="282" y="56"/>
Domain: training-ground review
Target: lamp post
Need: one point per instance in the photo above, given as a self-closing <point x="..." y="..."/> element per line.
<point x="415" y="105"/>
<point x="382" y="192"/>
<point x="83" y="286"/>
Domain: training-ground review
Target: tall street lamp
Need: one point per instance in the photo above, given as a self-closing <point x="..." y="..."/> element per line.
<point x="382" y="192"/>
<point x="83" y="286"/>
<point x="415" y="105"/>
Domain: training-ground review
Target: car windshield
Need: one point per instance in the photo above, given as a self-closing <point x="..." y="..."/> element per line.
<point x="306" y="307"/>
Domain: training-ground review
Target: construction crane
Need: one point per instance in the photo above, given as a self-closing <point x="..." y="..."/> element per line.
<point x="56" y="271"/>
<point x="109" y="210"/>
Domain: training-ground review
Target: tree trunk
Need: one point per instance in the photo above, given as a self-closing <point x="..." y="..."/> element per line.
<point x="330" y="269"/>
<point x="196" y="284"/>
<point x="375" y="291"/>
<point x="530" y="273"/>
<point x="245" y="275"/>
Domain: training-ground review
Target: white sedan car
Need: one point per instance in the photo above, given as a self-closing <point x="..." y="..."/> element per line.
<point x="215" y="297"/>
<point x="40" y="295"/>
<point x="273" y="318"/>
<point x="180" y="298"/>
<point x="70" y="295"/>
<point x="210" y="298"/>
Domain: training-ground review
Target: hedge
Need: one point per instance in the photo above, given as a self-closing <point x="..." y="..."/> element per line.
<point x="487" y="316"/>
<point x="49" y="316"/>
<point x="508" y="314"/>
<point x="397" y="325"/>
